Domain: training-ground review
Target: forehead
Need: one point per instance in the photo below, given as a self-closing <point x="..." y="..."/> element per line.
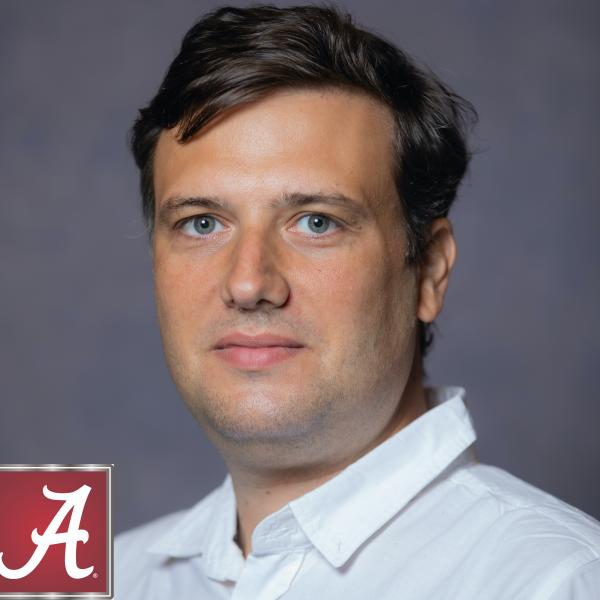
<point x="332" y="139"/>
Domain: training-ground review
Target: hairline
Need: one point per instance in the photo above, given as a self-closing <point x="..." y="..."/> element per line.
<point x="348" y="88"/>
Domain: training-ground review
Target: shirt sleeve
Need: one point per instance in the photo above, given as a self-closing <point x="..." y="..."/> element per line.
<point x="581" y="584"/>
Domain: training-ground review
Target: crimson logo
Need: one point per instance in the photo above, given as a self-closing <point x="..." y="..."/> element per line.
<point x="55" y="531"/>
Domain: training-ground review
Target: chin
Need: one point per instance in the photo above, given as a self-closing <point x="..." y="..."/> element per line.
<point x="259" y="417"/>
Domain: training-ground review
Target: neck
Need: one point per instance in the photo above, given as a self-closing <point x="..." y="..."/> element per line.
<point x="259" y="494"/>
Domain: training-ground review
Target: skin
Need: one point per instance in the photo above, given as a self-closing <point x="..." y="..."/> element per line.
<point x="345" y="292"/>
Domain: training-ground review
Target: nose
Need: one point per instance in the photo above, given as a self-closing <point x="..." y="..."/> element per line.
<point x="254" y="277"/>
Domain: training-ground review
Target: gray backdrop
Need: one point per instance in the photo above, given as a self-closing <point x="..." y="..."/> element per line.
<point x="83" y="378"/>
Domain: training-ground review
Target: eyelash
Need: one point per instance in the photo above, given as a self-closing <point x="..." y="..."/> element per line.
<point x="337" y="224"/>
<point x="189" y="220"/>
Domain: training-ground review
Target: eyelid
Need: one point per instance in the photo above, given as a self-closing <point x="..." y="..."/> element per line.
<point x="338" y="224"/>
<point x="179" y="225"/>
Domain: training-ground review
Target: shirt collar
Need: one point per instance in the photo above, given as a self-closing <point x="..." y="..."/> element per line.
<point x="338" y="516"/>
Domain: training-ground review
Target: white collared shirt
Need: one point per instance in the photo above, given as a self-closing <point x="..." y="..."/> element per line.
<point x="417" y="518"/>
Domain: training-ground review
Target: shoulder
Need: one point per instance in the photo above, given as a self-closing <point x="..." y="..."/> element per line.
<point x="132" y="559"/>
<point x="138" y="551"/>
<point x="144" y="536"/>
<point x="519" y="502"/>
<point x="528" y="532"/>
<point x="133" y="543"/>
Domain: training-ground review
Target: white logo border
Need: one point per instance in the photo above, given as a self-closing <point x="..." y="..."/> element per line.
<point x="109" y="539"/>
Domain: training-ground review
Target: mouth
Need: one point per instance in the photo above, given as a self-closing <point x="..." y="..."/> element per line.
<point x="255" y="352"/>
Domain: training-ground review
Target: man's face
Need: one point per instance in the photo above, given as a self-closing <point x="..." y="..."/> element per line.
<point x="287" y="312"/>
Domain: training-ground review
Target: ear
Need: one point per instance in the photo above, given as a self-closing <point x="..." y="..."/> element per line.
<point x="434" y="270"/>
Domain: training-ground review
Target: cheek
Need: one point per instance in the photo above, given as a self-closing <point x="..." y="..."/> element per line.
<point x="361" y="299"/>
<point x="181" y="291"/>
<point x="349" y="297"/>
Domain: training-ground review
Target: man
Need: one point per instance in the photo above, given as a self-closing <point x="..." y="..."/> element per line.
<point x="297" y="174"/>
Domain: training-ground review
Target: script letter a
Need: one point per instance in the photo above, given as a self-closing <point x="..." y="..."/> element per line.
<point x="74" y="502"/>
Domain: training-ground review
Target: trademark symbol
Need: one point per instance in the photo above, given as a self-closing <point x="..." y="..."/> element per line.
<point x="95" y="575"/>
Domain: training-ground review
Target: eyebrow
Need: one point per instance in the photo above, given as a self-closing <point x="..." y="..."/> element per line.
<point x="288" y="200"/>
<point x="297" y="200"/>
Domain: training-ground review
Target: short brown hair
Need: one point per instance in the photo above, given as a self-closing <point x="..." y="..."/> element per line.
<point x="237" y="55"/>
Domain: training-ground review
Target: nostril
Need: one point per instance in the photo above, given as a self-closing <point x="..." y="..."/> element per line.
<point x="255" y="278"/>
<point x="249" y="291"/>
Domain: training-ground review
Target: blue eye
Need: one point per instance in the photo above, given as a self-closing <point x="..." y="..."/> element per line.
<point x="201" y="225"/>
<point x="316" y="224"/>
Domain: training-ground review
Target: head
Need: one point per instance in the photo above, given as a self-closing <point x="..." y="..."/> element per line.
<point x="297" y="174"/>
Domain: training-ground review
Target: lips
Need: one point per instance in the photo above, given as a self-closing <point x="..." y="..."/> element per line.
<point x="255" y="352"/>
<point x="256" y="341"/>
